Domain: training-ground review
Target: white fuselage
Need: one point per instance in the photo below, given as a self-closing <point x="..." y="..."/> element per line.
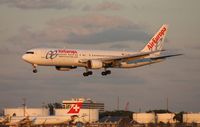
<point x="67" y="57"/>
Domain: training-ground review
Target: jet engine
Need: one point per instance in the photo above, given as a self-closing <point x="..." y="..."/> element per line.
<point x="95" y="64"/>
<point x="65" y="68"/>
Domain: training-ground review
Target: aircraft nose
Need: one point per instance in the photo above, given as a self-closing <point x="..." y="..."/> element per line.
<point x="24" y="57"/>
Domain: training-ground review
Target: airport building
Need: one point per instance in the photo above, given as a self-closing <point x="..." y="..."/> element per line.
<point x="85" y="115"/>
<point x="89" y="111"/>
<point x="146" y="118"/>
<point x="191" y="118"/>
<point x="21" y="111"/>
<point x="166" y="118"/>
<point x="87" y="104"/>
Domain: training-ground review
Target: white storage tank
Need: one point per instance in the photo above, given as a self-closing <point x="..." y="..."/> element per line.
<point x="166" y="118"/>
<point x="26" y="111"/>
<point x="144" y="117"/>
<point x="191" y="118"/>
<point x="85" y="115"/>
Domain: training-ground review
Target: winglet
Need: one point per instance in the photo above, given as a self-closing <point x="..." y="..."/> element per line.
<point x="156" y="43"/>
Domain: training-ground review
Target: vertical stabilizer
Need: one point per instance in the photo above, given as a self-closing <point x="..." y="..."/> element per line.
<point x="156" y="43"/>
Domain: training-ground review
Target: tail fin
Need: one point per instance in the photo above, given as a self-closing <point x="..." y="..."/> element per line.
<point x="156" y="43"/>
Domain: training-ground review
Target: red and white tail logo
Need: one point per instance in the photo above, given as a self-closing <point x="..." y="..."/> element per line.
<point x="75" y="108"/>
<point x="156" y="43"/>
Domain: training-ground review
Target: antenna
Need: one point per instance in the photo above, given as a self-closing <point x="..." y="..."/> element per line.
<point x="167" y="104"/>
<point x="24" y="106"/>
<point x="117" y="102"/>
<point x="127" y="106"/>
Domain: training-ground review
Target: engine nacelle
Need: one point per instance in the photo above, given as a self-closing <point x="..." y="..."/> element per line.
<point x="65" y="68"/>
<point x="95" y="64"/>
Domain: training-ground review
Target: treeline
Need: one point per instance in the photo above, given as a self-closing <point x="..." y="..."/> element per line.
<point x="117" y="113"/>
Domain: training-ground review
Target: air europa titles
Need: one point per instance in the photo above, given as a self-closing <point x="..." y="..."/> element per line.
<point x="156" y="39"/>
<point x="64" y="51"/>
<point x="54" y="53"/>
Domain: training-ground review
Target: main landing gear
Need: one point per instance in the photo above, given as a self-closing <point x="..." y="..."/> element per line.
<point x="35" y="68"/>
<point x="87" y="73"/>
<point x="106" y="72"/>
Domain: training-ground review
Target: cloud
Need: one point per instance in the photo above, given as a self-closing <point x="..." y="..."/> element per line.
<point x="120" y="46"/>
<point x="108" y="6"/>
<point x="104" y="6"/>
<point x="109" y="36"/>
<point x="60" y="4"/>
<point x="38" y="4"/>
<point x="90" y="29"/>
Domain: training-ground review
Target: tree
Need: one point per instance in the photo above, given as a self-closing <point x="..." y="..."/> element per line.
<point x="57" y="105"/>
<point x="116" y="113"/>
<point x="179" y="117"/>
<point x="53" y="106"/>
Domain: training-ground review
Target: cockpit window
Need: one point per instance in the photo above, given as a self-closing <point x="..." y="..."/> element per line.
<point x="29" y="52"/>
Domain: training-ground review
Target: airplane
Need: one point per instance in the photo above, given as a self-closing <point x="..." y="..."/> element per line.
<point x="70" y="118"/>
<point x="68" y="59"/>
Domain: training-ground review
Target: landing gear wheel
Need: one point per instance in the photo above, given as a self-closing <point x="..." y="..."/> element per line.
<point x="34" y="70"/>
<point x="108" y="72"/>
<point x="85" y="74"/>
<point x="103" y="73"/>
<point x="90" y="72"/>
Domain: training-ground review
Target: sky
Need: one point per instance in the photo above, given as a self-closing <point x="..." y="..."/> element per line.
<point x="104" y="25"/>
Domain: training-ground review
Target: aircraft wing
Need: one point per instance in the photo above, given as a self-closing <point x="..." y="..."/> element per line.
<point x="163" y="57"/>
<point x="129" y="57"/>
<point x="123" y="58"/>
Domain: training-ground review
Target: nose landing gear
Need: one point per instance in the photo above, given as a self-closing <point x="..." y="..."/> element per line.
<point x="35" y="68"/>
